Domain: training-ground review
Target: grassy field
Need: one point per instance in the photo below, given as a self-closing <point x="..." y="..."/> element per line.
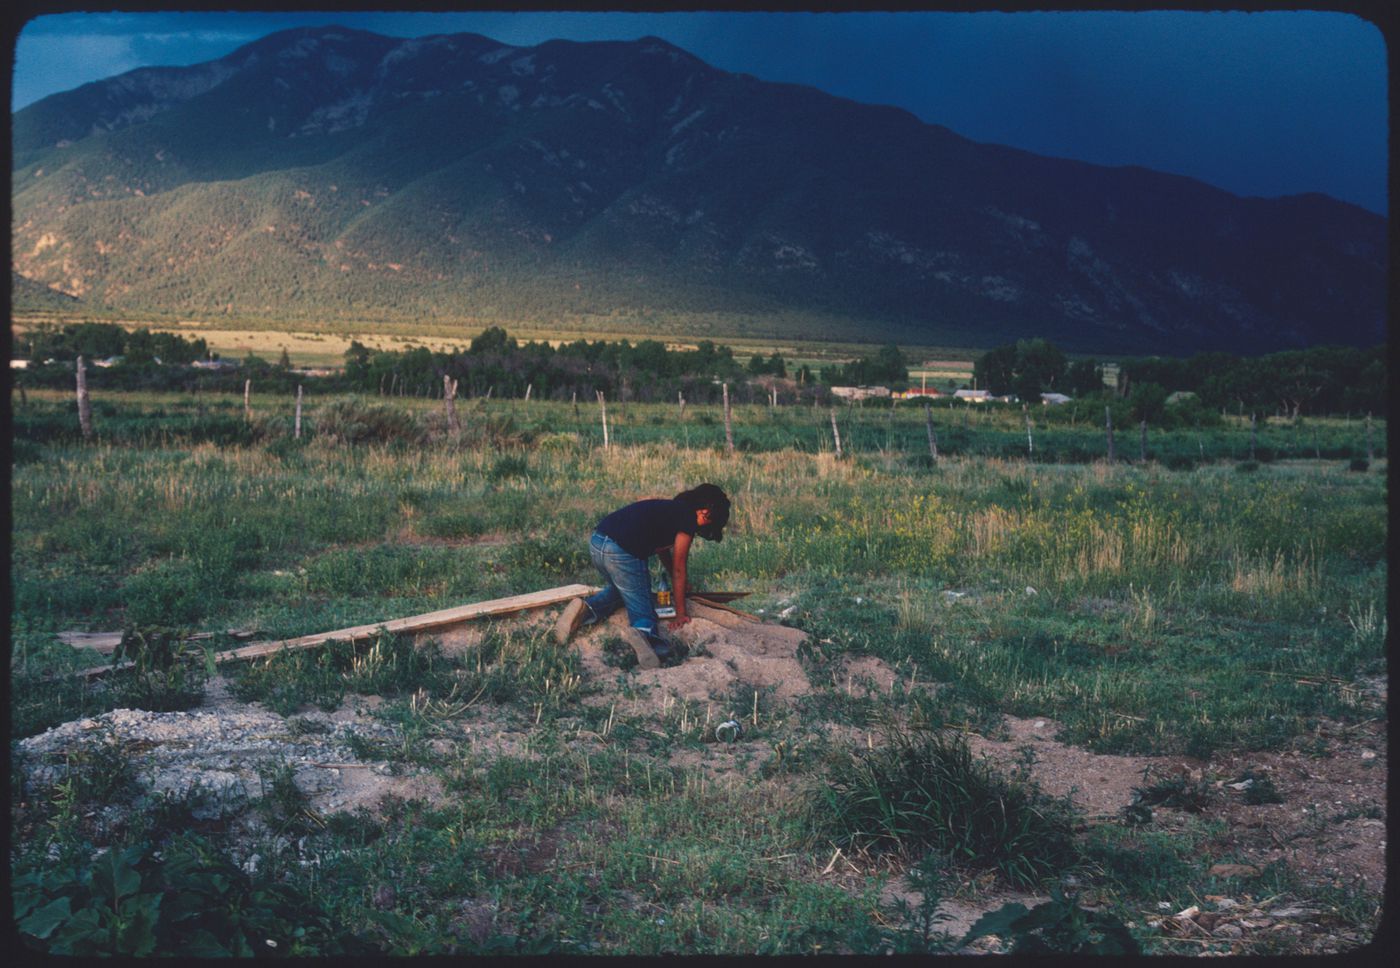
<point x="1225" y="605"/>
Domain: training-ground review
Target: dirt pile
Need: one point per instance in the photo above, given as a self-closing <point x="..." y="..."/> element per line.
<point x="727" y="652"/>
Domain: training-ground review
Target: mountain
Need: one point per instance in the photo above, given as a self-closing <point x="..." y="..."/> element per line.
<point x="326" y="173"/>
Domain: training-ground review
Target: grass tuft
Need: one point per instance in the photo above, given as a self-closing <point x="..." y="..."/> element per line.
<point x="922" y="789"/>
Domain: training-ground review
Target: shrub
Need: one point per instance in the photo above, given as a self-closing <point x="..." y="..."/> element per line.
<point x="186" y="899"/>
<point x="1058" y="925"/>
<point x="352" y="421"/>
<point x="1359" y="464"/>
<point x="923" y="789"/>
<point x="167" y="673"/>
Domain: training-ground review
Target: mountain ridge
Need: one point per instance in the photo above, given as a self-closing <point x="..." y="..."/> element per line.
<point x="338" y="172"/>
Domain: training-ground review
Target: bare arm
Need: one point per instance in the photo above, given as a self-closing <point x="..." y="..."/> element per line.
<point x="679" y="557"/>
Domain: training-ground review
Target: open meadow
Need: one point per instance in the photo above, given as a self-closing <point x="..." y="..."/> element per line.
<point x="1145" y="699"/>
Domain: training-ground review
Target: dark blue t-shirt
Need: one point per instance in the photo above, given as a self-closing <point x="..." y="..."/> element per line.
<point x="643" y="527"/>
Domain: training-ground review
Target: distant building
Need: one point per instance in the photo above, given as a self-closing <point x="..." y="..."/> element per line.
<point x="859" y="393"/>
<point x="973" y="396"/>
<point x="1180" y="396"/>
<point x="19" y="364"/>
<point x="109" y="361"/>
<point x="314" y="371"/>
<point x="914" y="392"/>
<point x="1054" y="398"/>
<point x="216" y="365"/>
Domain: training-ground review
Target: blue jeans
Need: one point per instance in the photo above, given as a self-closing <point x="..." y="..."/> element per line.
<point x="627" y="581"/>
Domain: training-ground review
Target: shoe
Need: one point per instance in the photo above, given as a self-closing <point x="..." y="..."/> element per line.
<point x="641" y="646"/>
<point x="570" y="620"/>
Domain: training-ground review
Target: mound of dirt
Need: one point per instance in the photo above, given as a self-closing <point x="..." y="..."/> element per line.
<point x="726" y="651"/>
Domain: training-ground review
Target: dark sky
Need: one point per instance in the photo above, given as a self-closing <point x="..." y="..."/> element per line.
<point x="1263" y="103"/>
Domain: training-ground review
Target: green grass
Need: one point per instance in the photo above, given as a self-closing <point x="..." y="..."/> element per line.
<point x="1146" y="608"/>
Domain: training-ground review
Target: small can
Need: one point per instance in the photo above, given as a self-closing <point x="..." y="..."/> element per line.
<point x="729" y="731"/>
<point x="664" y="608"/>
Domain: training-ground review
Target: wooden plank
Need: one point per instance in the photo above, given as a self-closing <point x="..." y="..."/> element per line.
<point x="418" y="623"/>
<point x="713" y="603"/>
<point x="108" y="641"/>
<point x="101" y="641"/>
<point x="414" y="623"/>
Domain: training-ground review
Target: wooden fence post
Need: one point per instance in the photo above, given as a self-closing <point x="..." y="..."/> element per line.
<point x="1142" y="443"/>
<point x="1108" y="425"/>
<point x="1370" y="451"/>
<point x="932" y="437"/>
<point x="680" y="405"/>
<point x="835" y="432"/>
<point x="84" y="405"/>
<point x="728" y="424"/>
<point x="603" y="412"/>
<point x="247" y="397"/>
<point x="576" y="406"/>
<point x="449" y="401"/>
<point x="528" y="388"/>
<point x="1030" y="443"/>
<point x="296" y="432"/>
<point x="1253" y="433"/>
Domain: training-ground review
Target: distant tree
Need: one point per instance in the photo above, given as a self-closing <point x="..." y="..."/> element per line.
<point x="1083" y="378"/>
<point x="1148" y="401"/>
<point x="140" y="348"/>
<point x="284" y="361"/>
<point x="493" y="339"/>
<point x="356" y="361"/>
<point x="1040" y="368"/>
<point x="1027" y="368"/>
<point x="995" y="370"/>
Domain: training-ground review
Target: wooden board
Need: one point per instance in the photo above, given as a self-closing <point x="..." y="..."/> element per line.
<point x="414" y="623"/>
<point x="717" y="602"/>
<point x="108" y="641"/>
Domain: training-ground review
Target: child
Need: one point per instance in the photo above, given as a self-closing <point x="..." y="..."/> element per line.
<point x="621" y="546"/>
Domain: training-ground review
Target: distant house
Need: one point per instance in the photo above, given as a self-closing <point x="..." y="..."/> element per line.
<point x="19" y="364"/>
<point x="973" y="396"/>
<point x="1054" y="398"/>
<point x="1181" y="396"/>
<point x="915" y="392"/>
<point x="109" y="361"/>
<point x="313" y="371"/>
<point x="859" y="393"/>
<point x="218" y="366"/>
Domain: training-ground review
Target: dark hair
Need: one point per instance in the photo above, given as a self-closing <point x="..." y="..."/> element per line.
<point x="708" y="496"/>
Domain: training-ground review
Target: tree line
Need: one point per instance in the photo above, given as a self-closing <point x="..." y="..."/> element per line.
<point x="1319" y="380"/>
<point x="494" y="363"/>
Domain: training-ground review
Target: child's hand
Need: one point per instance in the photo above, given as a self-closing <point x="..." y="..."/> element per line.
<point x="678" y="621"/>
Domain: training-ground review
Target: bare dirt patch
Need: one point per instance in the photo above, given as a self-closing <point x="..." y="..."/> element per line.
<point x="726" y="651"/>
